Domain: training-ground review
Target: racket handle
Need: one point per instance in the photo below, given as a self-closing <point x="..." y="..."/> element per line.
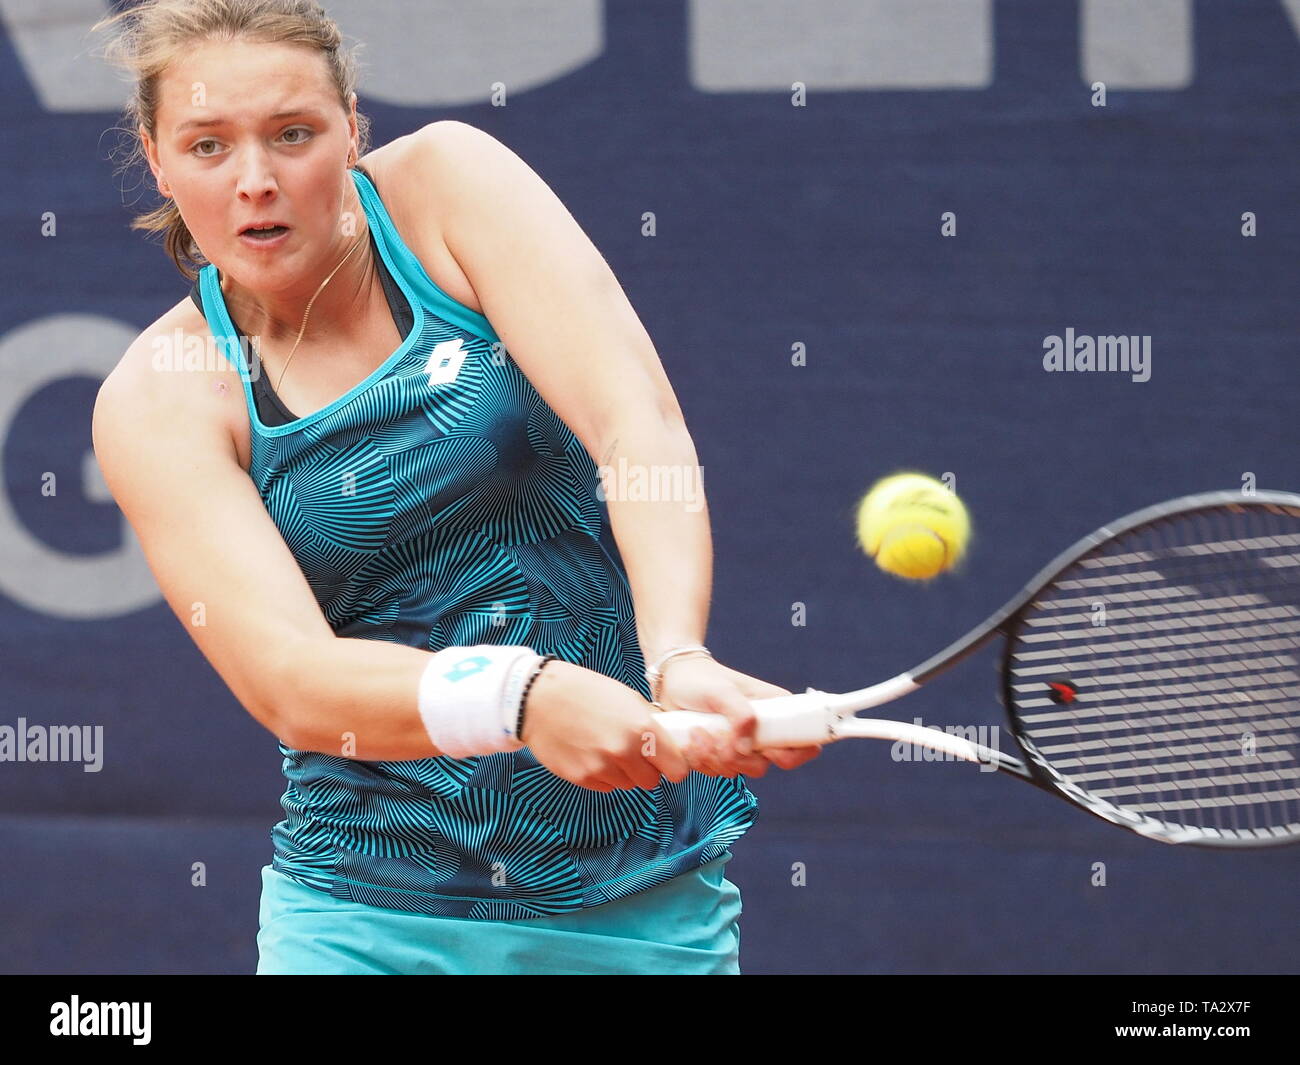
<point x="801" y="720"/>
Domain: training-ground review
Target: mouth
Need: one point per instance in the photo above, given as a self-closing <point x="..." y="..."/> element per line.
<point x="264" y="233"/>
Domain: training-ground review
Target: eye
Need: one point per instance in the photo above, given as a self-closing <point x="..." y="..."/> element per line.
<point x="199" y="144"/>
<point x="298" y="129"/>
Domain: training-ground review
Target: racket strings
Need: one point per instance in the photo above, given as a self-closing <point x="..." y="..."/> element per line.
<point x="1160" y="674"/>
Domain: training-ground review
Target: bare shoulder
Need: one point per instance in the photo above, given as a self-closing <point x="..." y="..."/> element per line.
<point x="435" y="152"/>
<point x="140" y="370"/>
<point x="400" y="169"/>
<point x="455" y="176"/>
<point x="419" y="177"/>
<point x="174" y="375"/>
<point x="459" y="164"/>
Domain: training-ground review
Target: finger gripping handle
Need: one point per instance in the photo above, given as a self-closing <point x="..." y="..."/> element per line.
<point x="801" y="720"/>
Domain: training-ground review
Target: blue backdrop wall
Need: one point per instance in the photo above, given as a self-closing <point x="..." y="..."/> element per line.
<point x="820" y="330"/>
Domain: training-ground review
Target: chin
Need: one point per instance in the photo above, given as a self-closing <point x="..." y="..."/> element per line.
<point x="268" y="268"/>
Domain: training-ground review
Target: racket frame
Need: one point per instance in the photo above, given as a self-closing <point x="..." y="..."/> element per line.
<point x="814" y="712"/>
<point x="1037" y="769"/>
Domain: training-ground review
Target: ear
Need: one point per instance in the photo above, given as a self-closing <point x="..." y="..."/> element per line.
<point x="354" y="137"/>
<point x="151" y="156"/>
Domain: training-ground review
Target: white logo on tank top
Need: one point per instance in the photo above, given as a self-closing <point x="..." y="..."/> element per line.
<point x="445" y="362"/>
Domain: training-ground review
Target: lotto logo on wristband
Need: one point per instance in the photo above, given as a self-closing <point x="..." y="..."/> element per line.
<point x="467" y="667"/>
<point x="480" y="715"/>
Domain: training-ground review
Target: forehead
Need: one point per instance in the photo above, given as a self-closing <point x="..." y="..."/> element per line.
<point x="241" y="80"/>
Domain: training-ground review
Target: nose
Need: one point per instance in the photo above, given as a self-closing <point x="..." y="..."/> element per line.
<point x="255" y="178"/>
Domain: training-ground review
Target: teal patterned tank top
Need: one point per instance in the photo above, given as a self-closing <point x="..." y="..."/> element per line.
<point x="441" y="502"/>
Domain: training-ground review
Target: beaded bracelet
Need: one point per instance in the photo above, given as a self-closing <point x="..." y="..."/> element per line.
<point x="523" y="696"/>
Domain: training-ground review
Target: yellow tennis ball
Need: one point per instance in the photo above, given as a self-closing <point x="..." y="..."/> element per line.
<point x="913" y="526"/>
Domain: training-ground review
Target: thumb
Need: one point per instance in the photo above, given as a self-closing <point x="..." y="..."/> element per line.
<point x="732" y="704"/>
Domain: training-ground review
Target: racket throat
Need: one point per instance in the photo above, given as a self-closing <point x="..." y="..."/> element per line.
<point x="910" y="740"/>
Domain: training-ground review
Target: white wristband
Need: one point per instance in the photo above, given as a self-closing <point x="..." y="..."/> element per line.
<point x="469" y="698"/>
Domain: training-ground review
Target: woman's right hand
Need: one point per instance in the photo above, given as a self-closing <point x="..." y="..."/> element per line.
<point x="597" y="732"/>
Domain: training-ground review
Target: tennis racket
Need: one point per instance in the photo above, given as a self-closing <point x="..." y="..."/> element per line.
<point x="1150" y="674"/>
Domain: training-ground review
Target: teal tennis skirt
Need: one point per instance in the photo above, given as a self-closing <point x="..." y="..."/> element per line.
<point x="686" y="926"/>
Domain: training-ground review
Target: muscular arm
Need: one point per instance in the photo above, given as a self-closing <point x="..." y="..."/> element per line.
<point x="355" y="698"/>
<point x="660" y="519"/>
<point x="172" y="468"/>
<point x="568" y="324"/>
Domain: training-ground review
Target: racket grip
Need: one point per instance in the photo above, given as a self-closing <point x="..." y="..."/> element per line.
<point x="801" y="720"/>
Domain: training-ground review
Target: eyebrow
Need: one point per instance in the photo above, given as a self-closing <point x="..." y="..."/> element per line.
<point x="205" y="123"/>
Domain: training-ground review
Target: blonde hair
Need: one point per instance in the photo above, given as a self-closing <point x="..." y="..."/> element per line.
<point x="156" y="32"/>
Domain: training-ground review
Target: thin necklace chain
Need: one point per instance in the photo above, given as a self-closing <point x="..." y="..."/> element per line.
<point x="303" y="328"/>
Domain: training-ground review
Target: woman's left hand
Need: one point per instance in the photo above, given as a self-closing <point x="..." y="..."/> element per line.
<point x="693" y="682"/>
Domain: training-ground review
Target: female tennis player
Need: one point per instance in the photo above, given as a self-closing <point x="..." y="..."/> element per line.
<point x="375" y="508"/>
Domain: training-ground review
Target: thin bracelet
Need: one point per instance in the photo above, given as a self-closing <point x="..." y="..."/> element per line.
<point x="654" y="674"/>
<point x="523" y="696"/>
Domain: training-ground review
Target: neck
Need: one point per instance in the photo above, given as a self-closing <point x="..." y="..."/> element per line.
<point x="277" y="317"/>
